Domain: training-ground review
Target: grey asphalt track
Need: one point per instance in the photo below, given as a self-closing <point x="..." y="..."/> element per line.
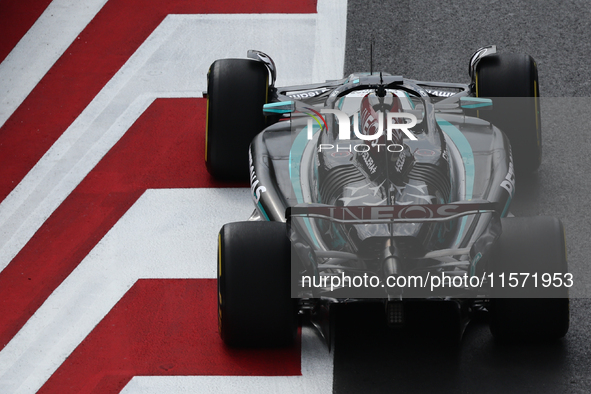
<point x="433" y="40"/>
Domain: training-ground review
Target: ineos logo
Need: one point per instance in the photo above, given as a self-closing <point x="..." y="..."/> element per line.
<point x="415" y="212"/>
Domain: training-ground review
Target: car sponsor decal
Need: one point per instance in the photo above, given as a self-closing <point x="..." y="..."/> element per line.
<point x="369" y="162"/>
<point x="400" y="162"/>
<point x="440" y="93"/>
<point x="301" y="95"/>
<point x="392" y="212"/>
<point x="509" y="183"/>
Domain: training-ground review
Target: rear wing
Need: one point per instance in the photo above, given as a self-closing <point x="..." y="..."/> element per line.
<point x="419" y="213"/>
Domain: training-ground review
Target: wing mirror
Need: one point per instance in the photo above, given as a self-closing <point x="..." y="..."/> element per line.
<point x="476" y="103"/>
<point x="282" y="107"/>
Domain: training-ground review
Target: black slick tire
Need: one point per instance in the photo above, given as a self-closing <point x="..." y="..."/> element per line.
<point x="530" y="312"/>
<point x="237" y="89"/>
<point x="513" y="80"/>
<point x="255" y="308"/>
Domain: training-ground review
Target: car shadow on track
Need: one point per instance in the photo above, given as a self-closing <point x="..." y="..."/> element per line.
<point x="426" y="358"/>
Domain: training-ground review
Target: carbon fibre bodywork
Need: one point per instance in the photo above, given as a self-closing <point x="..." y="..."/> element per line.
<point x="430" y="206"/>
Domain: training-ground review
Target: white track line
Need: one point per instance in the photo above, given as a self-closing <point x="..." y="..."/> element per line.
<point x="172" y="62"/>
<point x="39" y="49"/>
<point x="168" y="233"/>
<point x="317" y="376"/>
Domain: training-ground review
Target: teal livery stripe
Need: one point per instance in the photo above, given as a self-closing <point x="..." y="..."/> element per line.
<point x="281" y="107"/>
<point x="475" y="102"/>
<point x="263" y="211"/>
<point x="467" y="154"/>
<point x="295" y="158"/>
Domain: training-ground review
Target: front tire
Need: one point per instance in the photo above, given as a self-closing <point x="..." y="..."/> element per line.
<point x="237" y="89"/>
<point x="511" y="80"/>
<point x="255" y="308"/>
<point x="530" y="313"/>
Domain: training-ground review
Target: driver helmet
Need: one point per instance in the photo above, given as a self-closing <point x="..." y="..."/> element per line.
<point x="371" y="105"/>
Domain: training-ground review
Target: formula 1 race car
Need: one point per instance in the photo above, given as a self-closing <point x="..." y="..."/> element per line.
<point x="378" y="188"/>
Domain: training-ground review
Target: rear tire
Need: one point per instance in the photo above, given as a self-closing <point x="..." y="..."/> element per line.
<point x="514" y="78"/>
<point x="530" y="313"/>
<point x="255" y="307"/>
<point x="237" y="89"/>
